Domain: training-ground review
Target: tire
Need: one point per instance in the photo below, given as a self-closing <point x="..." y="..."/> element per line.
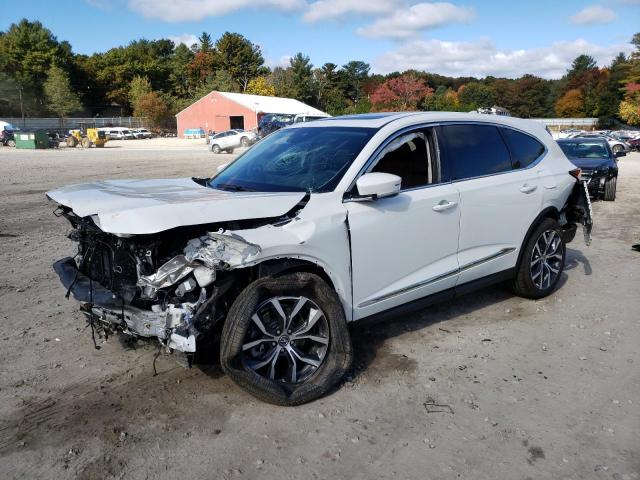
<point x="11" y="143"/>
<point x="86" y="143"/>
<point x="274" y="381"/>
<point x="244" y="141"/>
<point x="610" y="187"/>
<point x="230" y="150"/>
<point x="617" y="148"/>
<point x="72" y="142"/>
<point x="99" y="145"/>
<point x="538" y="275"/>
<point x="215" y="148"/>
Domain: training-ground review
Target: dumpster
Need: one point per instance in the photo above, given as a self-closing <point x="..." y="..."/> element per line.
<point x="32" y="140"/>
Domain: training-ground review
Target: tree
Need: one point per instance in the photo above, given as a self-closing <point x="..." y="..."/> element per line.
<point x="570" y="104"/>
<point x="400" y="94"/>
<point x="153" y="107"/>
<point x="204" y="45"/>
<point x="241" y="58"/>
<point x="630" y="106"/>
<point x="282" y="81"/>
<point x="139" y="86"/>
<point x="580" y="65"/>
<point x="261" y="86"/>
<point x="62" y="100"/>
<point x="476" y="95"/>
<point x="302" y="77"/>
<point x="353" y="75"/>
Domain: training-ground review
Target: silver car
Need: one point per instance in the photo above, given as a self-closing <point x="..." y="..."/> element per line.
<point x="231" y="139"/>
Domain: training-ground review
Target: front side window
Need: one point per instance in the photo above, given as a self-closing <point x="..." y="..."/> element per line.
<point x="474" y="150"/>
<point x="312" y="159"/>
<point x="410" y="156"/>
<point x="524" y="148"/>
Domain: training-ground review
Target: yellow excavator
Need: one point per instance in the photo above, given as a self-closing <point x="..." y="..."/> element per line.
<point x="86" y="136"/>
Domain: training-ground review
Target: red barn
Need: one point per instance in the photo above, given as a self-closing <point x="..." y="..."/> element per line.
<point x="219" y="111"/>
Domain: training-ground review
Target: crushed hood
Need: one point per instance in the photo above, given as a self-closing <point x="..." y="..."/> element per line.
<point x="135" y="207"/>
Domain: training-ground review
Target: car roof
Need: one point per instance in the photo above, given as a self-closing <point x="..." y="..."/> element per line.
<point x="381" y="119"/>
<point x="583" y="140"/>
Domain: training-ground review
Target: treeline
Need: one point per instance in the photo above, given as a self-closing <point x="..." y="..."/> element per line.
<point x="40" y="75"/>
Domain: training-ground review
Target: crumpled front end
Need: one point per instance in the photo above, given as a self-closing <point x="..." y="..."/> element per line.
<point x="150" y="286"/>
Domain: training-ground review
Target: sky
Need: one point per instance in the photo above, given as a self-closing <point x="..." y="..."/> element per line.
<point x="458" y="38"/>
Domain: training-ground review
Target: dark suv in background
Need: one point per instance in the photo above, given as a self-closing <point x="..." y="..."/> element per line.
<point x="275" y="121"/>
<point x="597" y="162"/>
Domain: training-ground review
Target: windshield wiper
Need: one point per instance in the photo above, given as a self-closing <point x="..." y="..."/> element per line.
<point x="233" y="188"/>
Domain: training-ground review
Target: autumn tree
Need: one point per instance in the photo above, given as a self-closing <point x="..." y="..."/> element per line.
<point x="61" y="99"/>
<point x="571" y="104"/>
<point x="154" y="108"/>
<point x="400" y="94"/>
<point x="139" y="86"/>
<point x="261" y="86"/>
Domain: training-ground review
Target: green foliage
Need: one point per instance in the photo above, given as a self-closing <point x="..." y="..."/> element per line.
<point x="176" y="75"/>
<point x="62" y="100"/>
<point x="239" y="57"/>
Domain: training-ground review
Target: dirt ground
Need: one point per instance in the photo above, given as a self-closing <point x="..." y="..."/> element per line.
<point x="488" y="387"/>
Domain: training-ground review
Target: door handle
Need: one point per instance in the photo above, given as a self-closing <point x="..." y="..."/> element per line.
<point x="528" y="188"/>
<point x="443" y="205"/>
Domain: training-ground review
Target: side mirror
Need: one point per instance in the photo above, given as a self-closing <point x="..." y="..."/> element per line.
<point x="378" y="185"/>
<point x="219" y="168"/>
<point x="620" y="154"/>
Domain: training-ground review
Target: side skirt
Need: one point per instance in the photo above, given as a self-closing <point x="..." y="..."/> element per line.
<point x="439" y="297"/>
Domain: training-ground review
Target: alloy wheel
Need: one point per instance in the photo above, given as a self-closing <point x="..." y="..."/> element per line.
<point x="287" y="339"/>
<point x="546" y="259"/>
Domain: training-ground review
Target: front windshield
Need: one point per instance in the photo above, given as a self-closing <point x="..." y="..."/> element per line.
<point x="311" y="159"/>
<point x="585" y="149"/>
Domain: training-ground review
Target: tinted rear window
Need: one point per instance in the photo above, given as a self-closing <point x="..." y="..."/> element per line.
<point x="474" y="150"/>
<point x="524" y="148"/>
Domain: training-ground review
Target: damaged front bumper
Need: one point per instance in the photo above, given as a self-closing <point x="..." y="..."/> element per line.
<point x="171" y="325"/>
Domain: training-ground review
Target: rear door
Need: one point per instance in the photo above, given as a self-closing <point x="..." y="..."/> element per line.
<point x="499" y="199"/>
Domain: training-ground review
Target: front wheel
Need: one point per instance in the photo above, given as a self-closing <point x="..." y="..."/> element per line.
<point x="610" y="187"/>
<point x="11" y="143"/>
<point x="244" y="141"/>
<point x="215" y="148"/>
<point x="541" y="261"/>
<point x="286" y="340"/>
<point x="617" y="148"/>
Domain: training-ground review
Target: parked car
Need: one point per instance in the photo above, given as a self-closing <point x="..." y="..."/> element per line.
<point x="231" y="139"/>
<point x="317" y="226"/>
<point x="141" y="133"/>
<point x="597" y="162"/>
<point x="117" y="133"/>
<point x="615" y="144"/>
<point x="275" y="121"/>
<point x="634" y="143"/>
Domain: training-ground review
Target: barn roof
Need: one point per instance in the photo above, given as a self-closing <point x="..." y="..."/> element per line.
<point x="264" y="104"/>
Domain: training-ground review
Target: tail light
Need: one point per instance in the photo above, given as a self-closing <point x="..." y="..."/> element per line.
<point x="575" y="173"/>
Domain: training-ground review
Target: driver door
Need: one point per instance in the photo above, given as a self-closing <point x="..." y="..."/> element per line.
<point x="404" y="247"/>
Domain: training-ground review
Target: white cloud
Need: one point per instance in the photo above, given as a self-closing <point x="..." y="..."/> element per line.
<point x="283" y="61"/>
<point x="194" y="10"/>
<point x="482" y="58"/>
<point x="187" y="38"/>
<point x="592" y="15"/>
<point x="337" y="9"/>
<point x="409" y="22"/>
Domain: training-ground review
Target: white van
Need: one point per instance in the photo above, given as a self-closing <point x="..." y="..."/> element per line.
<point x="118" y="133"/>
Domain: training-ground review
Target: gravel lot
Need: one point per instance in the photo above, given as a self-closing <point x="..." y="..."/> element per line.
<point x="488" y="387"/>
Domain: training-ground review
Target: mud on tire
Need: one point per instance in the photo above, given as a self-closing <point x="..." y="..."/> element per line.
<point x="337" y="356"/>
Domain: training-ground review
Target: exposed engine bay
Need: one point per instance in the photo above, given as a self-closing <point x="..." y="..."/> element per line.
<point x="168" y="285"/>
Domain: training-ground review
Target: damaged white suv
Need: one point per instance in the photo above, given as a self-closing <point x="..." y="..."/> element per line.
<point x="317" y="226"/>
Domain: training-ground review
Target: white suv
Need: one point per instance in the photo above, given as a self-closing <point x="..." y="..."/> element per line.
<point x="317" y="226"/>
<point x="231" y="139"/>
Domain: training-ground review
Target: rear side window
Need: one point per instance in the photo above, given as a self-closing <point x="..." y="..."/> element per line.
<point x="524" y="148"/>
<point x="474" y="150"/>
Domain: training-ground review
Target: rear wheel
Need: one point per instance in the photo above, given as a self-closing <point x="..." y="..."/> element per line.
<point x="286" y="340"/>
<point x="86" y="143"/>
<point x="610" y="187"/>
<point x="11" y="143"/>
<point x="215" y="148"/>
<point x="72" y="141"/>
<point x="229" y="150"/>
<point x="541" y="261"/>
<point x="617" y="148"/>
<point x="244" y="141"/>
